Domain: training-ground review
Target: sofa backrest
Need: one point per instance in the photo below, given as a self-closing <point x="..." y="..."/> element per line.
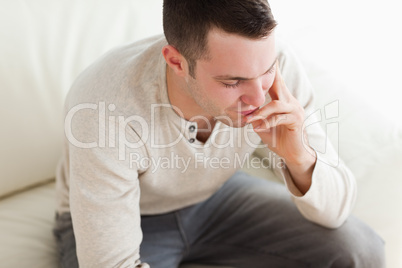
<point x="44" y="45"/>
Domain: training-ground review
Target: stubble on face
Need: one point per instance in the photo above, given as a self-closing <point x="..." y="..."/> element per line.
<point x="208" y="93"/>
<point x="228" y="116"/>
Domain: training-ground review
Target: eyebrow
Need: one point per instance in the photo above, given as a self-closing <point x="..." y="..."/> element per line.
<point x="229" y="77"/>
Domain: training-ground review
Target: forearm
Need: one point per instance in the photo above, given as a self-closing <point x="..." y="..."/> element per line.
<point x="302" y="171"/>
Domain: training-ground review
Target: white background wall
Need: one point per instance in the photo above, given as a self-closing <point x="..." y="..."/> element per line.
<point x="358" y="40"/>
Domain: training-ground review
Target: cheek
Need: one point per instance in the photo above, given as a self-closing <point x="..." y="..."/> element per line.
<point x="225" y="97"/>
<point x="220" y="95"/>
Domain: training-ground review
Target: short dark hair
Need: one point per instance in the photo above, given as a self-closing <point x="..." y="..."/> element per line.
<point x="186" y="23"/>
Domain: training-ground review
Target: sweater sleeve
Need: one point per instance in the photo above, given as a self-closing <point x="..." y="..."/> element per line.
<point x="332" y="194"/>
<point x="104" y="195"/>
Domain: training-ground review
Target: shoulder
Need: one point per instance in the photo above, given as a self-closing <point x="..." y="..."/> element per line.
<point x="114" y="74"/>
<point x="287" y="57"/>
<point x="294" y="73"/>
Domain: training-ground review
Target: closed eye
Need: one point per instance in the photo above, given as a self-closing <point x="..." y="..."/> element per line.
<point x="232" y="85"/>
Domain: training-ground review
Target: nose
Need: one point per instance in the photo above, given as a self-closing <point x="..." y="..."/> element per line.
<point x="254" y="94"/>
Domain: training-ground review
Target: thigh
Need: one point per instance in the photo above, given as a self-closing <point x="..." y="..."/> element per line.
<point x="65" y="240"/>
<point x="251" y="222"/>
<point x="162" y="244"/>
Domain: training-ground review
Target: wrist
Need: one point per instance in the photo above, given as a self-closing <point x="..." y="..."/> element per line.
<point x="305" y="158"/>
<point x="302" y="169"/>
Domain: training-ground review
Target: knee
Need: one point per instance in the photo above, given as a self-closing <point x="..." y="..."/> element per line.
<point x="357" y="245"/>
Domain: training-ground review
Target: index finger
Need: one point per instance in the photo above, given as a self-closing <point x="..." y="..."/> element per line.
<point x="276" y="90"/>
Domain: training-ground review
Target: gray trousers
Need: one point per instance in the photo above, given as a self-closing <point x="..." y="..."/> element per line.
<point x="249" y="222"/>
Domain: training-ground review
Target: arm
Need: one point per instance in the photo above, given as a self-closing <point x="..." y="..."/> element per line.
<point x="322" y="187"/>
<point x="104" y="201"/>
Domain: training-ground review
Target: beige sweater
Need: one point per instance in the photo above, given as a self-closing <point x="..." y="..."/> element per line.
<point x="123" y="138"/>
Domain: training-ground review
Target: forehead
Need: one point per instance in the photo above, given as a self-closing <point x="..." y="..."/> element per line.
<point x="231" y="54"/>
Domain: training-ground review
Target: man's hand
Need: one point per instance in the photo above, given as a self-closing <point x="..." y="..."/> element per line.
<point x="280" y="126"/>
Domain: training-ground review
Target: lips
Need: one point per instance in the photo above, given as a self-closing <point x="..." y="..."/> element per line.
<point x="245" y="113"/>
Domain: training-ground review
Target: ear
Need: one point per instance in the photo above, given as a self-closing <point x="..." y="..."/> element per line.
<point x="175" y="60"/>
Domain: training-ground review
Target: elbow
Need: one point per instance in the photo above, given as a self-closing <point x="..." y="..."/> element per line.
<point x="331" y="223"/>
<point x="325" y="219"/>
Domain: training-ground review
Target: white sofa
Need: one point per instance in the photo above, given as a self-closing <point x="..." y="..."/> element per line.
<point x="45" y="44"/>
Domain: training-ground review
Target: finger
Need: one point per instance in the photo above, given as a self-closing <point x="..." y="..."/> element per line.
<point x="275" y="90"/>
<point x="274" y="107"/>
<point x="279" y="90"/>
<point x="275" y="121"/>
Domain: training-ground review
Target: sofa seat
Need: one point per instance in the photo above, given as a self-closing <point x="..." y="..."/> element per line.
<point x="26" y="220"/>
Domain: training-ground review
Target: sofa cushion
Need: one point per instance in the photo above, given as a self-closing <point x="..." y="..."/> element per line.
<point x="45" y="45"/>
<point x="26" y="221"/>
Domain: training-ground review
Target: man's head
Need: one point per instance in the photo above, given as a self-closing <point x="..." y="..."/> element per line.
<point x="221" y="57"/>
<point x="187" y="23"/>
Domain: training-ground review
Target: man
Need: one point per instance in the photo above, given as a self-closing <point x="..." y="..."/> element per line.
<point x="159" y="187"/>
